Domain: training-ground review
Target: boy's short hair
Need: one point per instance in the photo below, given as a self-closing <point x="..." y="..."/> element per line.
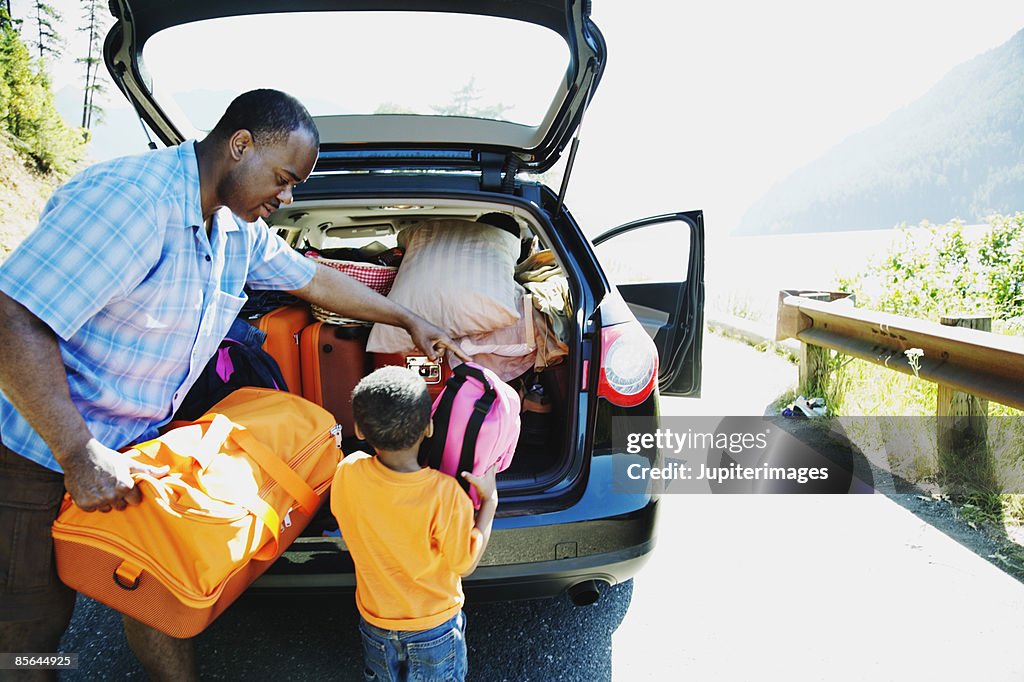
<point x="391" y="407"/>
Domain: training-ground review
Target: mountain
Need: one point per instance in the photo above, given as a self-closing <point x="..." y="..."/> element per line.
<point x="954" y="153"/>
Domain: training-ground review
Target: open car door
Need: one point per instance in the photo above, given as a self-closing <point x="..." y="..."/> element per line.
<point x="657" y="264"/>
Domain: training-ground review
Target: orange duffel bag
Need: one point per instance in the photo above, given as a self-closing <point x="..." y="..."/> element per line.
<point x="245" y="479"/>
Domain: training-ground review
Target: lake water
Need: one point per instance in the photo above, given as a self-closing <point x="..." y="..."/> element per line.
<point x="746" y="273"/>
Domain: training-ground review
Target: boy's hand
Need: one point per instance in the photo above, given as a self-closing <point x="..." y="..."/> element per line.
<point x="486" y="485"/>
<point x="487" y="488"/>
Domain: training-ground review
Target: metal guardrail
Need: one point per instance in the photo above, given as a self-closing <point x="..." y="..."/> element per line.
<point x="980" y="363"/>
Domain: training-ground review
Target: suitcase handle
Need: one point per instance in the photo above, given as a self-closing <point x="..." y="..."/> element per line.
<point x="127" y="575"/>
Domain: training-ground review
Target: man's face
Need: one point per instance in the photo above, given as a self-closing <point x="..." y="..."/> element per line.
<point x="264" y="175"/>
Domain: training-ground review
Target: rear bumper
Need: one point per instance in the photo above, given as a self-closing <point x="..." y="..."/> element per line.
<point x="520" y="563"/>
<point x="552" y="578"/>
<point x="498" y="583"/>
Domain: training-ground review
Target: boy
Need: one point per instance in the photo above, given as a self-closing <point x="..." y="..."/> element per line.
<point x="411" y="534"/>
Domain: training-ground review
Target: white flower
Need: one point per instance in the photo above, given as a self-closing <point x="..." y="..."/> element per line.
<point x="914" y="356"/>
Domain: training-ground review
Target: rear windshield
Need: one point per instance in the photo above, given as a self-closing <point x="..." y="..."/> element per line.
<point x="360" y="63"/>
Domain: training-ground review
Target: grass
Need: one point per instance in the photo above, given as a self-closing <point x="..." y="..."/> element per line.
<point x="930" y="271"/>
<point x="22" y="195"/>
<point x="890" y="416"/>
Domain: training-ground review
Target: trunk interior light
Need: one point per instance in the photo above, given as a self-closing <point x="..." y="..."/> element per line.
<point x="629" y="364"/>
<point x="400" y="207"/>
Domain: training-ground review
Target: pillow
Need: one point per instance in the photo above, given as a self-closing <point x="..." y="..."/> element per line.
<point x="515" y="340"/>
<point x="456" y="274"/>
<point x="507" y="368"/>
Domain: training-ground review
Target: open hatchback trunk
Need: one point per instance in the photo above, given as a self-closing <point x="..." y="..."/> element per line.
<point x="433" y="116"/>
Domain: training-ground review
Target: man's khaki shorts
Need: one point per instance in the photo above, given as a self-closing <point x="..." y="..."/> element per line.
<point x="30" y="497"/>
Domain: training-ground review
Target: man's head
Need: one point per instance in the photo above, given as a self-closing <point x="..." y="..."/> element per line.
<point x="267" y="143"/>
<point x="391" y="408"/>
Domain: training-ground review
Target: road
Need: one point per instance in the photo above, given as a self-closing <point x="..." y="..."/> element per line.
<point x="740" y="588"/>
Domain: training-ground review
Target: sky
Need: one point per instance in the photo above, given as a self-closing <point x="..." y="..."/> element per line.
<point x="738" y="95"/>
<point x="707" y="105"/>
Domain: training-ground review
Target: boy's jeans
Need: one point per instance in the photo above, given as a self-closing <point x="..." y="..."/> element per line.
<point x="437" y="654"/>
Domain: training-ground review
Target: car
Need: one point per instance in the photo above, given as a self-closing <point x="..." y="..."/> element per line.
<point x="517" y="79"/>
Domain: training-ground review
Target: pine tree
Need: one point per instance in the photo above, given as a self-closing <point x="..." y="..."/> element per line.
<point x="7" y="18"/>
<point x="93" y="17"/>
<point x="464" y="104"/>
<point x="49" y="42"/>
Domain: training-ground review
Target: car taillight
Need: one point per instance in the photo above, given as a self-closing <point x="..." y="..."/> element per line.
<point x="629" y="364"/>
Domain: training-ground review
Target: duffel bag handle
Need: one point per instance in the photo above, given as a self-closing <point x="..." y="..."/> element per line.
<point x="277" y="469"/>
<point x="209" y="445"/>
<point x="218" y="430"/>
<point x="251" y="503"/>
<point x="201" y="453"/>
<point x="221" y="428"/>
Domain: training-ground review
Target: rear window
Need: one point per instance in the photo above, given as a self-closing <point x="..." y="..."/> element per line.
<point x="360" y="63"/>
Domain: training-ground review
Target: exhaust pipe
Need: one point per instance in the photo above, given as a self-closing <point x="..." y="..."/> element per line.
<point x="586" y="592"/>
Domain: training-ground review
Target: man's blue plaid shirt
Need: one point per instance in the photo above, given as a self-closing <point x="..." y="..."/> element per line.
<point x="120" y="267"/>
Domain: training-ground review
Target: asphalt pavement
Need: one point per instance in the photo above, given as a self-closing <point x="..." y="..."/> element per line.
<point x="314" y="637"/>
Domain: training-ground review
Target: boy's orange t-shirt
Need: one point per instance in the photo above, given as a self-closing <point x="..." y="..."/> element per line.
<point x="411" y="536"/>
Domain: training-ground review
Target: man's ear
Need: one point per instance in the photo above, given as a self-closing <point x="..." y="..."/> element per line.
<point x="430" y="429"/>
<point x="359" y="432"/>
<point x="239" y="143"/>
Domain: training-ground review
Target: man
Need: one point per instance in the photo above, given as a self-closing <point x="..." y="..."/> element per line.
<point x="110" y="309"/>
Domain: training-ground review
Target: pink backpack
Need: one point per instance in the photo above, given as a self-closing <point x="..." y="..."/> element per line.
<point x="476" y="423"/>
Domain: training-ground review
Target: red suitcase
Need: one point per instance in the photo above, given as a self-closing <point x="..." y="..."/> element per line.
<point x="282" y="327"/>
<point x="435" y="373"/>
<point x="333" y="359"/>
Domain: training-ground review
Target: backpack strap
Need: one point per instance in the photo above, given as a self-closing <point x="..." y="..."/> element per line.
<point x="476" y="420"/>
<point x="432" y="451"/>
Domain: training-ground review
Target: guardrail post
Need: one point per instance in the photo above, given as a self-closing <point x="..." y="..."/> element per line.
<point x="962" y="423"/>
<point x="813" y="360"/>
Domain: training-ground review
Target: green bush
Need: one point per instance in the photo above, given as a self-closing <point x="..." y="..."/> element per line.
<point x="29" y="122"/>
<point x="1002" y="257"/>
<point x="940" y="270"/>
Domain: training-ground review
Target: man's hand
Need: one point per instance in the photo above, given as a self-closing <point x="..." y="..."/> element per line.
<point x="486" y="485"/>
<point x="100" y="479"/>
<point x="432" y="340"/>
<point x="336" y="291"/>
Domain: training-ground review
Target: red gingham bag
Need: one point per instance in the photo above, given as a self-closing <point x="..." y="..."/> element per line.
<point x="377" y="277"/>
<point x="380" y="278"/>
